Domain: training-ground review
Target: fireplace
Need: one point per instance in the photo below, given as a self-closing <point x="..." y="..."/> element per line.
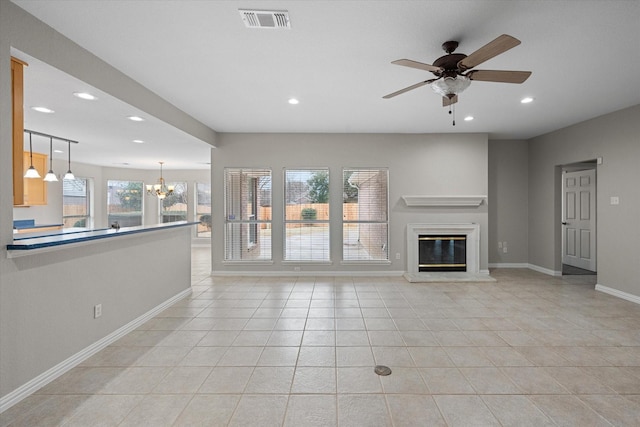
<point x="442" y="252"/>
<point x="461" y="265"/>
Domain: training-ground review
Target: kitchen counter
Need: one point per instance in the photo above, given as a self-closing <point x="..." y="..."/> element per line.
<point x="38" y="242"/>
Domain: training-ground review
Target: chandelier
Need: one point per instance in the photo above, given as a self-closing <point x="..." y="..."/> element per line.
<point x="160" y="189"/>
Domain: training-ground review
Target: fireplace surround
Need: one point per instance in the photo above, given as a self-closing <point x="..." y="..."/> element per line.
<point x="470" y="231"/>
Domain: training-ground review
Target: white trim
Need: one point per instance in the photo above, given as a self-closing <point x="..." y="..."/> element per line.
<point x="61" y="368"/>
<point x="444" y="201"/>
<point x="619" y="294"/>
<point x="544" y="270"/>
<point x="384" y="273"/>
<point x="509" y="265"/>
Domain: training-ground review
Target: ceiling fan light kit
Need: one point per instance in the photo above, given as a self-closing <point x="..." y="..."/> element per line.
<point x="454" y="71"/>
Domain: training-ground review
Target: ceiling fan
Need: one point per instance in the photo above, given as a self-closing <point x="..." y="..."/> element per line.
<point x="454" y="71"/>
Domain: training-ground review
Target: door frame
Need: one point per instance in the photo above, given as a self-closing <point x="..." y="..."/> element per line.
<point x="559" y="214"/>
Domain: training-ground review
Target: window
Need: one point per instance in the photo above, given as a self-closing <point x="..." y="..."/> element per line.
<point x="203" y="209"/>
<point x="174" y="205"/>
<point x="247" y="214"/>
<point x="306" y="215"/>
<point x="365" y="220"/>
<point x="76" y="211"/>
<point x="124" y="202"/>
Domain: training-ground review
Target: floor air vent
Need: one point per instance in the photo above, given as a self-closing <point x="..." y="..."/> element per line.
<point x="265" y="18"/>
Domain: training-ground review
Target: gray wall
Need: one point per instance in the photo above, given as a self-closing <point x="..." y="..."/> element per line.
<point x="46" y="309"/>
<point x="508" y="202"/>
<point x="46" y="300"/>
<point x="615" y="138"/>
<point x="448" y="164"/>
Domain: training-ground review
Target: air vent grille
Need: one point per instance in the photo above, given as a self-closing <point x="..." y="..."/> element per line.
<point x="274" y="19"/>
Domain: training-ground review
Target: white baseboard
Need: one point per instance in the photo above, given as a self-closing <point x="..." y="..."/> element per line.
<point x="509" y="265"/>
<point x="309" y="273"/>
<point x="46" y="377"/>
<point x="619" y="294"/>
<point x="544" y="270"/>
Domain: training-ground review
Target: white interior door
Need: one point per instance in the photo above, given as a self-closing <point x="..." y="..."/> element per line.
<point x="579" y="219"/>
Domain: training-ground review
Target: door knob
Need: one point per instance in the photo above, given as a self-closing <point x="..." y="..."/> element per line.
<point x="564" y="223"/>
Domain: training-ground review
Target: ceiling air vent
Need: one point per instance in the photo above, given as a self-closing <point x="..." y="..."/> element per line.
<point x="265" y="18"/>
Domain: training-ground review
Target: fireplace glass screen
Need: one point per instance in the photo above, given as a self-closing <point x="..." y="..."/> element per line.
<point x="442" y="253"/>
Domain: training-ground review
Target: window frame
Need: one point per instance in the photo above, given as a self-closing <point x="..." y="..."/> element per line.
<point x="196" y="214"/>
<point x="248" y="229"/>
<point x="89" y="203"/>
<point x="385" y="248"/>
<point x="302" y="222"/>
<point x="161" y="210"/>
<point x="142" y="204"/>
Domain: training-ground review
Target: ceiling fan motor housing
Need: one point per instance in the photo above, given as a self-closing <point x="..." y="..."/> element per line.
<point x="449" y="63"/>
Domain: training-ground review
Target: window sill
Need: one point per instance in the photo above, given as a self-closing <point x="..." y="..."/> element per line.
<point x="306" y="262"/>
<point x="247" y="262"/>
<point x="366" y="262"/>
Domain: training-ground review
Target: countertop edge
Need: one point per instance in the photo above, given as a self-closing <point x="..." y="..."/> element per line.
<point x="35" y="242"/>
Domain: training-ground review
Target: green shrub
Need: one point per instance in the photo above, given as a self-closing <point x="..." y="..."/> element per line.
<point x="206" y="220"/>
<point x="309" y="214"/>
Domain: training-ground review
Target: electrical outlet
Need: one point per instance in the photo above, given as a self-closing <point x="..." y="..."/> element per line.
<point x="296" y="268"/>
<point x="615" y="200"/>
<point x="499" y="245"/>
<point x="504" y="249"/>
<point x="397" y="255"/>
<point x="97" y="311"/>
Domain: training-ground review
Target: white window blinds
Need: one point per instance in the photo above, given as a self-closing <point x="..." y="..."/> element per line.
<point x="306" y="214"/>
<point x="247" y="214"/>
<point x="365" y="219"/>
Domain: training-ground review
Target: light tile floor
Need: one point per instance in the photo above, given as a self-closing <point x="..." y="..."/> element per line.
<point x="528" y="350"/>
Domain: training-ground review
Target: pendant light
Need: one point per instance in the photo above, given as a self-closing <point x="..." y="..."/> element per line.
<point x="50" y="176"/>
<point x="31" y="172"/>
<point x="69" y="174"/>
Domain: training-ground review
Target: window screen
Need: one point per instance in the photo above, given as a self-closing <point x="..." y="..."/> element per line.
<point x="174" y="206"/>
<point x="365" y="209"/>
<point x="306" y="214"/>
<point x="247" y="214"/>
<point x="124" y="202"/>
<point x="76" y="210"/>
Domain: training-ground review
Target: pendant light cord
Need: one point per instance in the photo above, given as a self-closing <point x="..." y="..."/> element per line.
<point x="30" y="151"/>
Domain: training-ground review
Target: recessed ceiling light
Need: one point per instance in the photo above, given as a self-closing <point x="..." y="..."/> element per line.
<point x="526" y="100"/>
<point x="58" y="151"/>
<point x="85" y="95"/>
<point x="136" y="118"/>
<point x="43" y="110"/>
<point x="138" y="141"/>
<point x="293" y="101"/>
<point x="468" y="118"/>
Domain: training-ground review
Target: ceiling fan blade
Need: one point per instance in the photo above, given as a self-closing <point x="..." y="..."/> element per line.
<point x="488" y="51"/>
<point x="407" y="89"/>
<point x="446" y="101"/>
<point x="499" y="76"/>
<point x="418" y="65"/>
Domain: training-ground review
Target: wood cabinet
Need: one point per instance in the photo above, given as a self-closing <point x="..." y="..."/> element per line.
<point x="17" y="110"/>
<point x="34" y="189"/>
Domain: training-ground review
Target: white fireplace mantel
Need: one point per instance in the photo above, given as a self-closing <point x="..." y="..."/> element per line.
<point x="444" y="201"/>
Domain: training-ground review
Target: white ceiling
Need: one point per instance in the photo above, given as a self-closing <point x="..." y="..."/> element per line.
<point x="335" y="59"/>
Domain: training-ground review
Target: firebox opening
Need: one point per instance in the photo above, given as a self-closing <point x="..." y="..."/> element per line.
<point x="442" y="253"/>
